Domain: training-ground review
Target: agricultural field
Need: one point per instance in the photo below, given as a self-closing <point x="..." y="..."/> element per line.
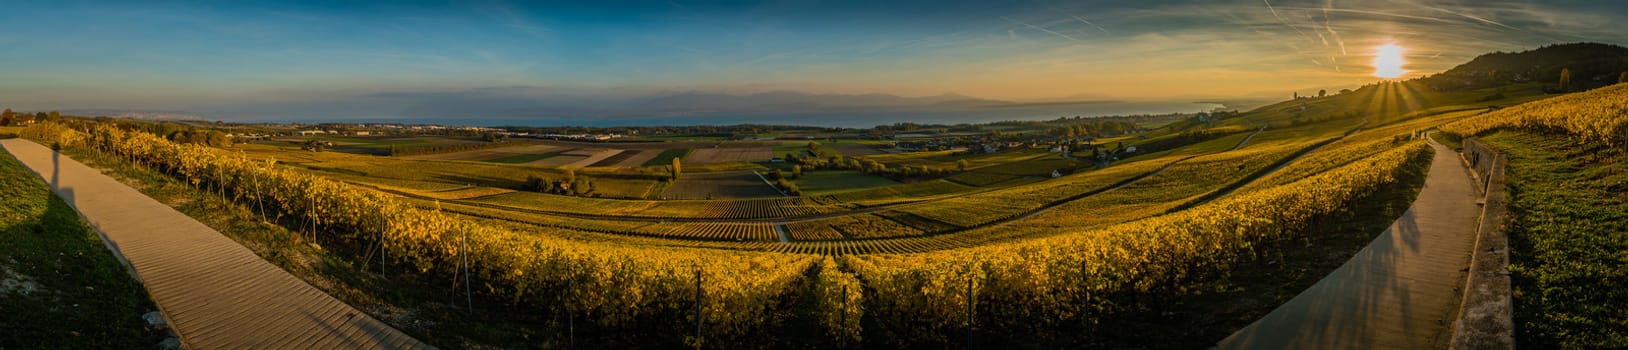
<point x="718" y="185"/>
<point x="372" y="145"/>
<point x="729" y="155"/>
<point x="517" y="153"/>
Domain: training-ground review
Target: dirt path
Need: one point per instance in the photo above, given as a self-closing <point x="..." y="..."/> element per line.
<point x="1247" y="138"/>
<point x="780" y="229"/>
<point x="215" y="293"/>
<point x="1399" y="292"/>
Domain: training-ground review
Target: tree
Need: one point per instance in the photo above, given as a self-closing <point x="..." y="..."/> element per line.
<point x="55" y="116"/>
<point x="1322" y="93"/>
<point x="7" y="113"/>
<point x="1622" y="78"/>
<point x="313" y="145"/>
<point x="678" y="168"/>
<point x="1565" y="79"/>
<point x="5" y="120"/>
<point x="570" y="175"/>
<point x="961" y="165"/>
<point x="796" y="171"/>
<point x="535" y="183"/>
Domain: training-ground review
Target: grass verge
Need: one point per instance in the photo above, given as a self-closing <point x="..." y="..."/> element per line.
<point x="1568" y="231"/>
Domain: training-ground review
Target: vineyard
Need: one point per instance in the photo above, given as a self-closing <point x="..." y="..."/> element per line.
<point x="901" y="264"/>
<point x="1595" y="116"/>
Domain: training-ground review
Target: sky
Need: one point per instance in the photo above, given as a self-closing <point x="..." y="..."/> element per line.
<point x="356" y="58"/>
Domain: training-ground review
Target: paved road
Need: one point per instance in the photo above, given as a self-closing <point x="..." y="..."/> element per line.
<point x="214" y="293"/>
<point x="1399" y="292"/>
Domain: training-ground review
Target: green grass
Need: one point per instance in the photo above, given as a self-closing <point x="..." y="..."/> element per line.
<point x="81" y="298"/>
<point x="796" y="148"/>
<point x="666" y="157"/>
<point x="823" y="182"/>
<point x="1568" y="231"/>
<point x="523" y="158"/>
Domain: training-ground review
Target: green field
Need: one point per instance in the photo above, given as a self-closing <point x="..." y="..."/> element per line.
<point x="667" y="156"/>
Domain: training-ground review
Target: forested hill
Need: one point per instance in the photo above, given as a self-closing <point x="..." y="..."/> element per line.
<point x="1591" y="65"/>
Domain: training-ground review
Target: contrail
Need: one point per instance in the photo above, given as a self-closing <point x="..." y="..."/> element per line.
<point x="1093" y="25"/>
<point x="1330" y="28"/>
<point x="1466" y="15"/>
<point x="1281" y="19"/>
<point x="1044" y="30"/>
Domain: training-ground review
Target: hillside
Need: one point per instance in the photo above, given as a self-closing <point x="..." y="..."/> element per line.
<point x="1568" y="195"/>
<point x="1592" y="65"/>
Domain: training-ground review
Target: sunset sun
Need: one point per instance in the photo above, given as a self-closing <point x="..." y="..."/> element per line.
<point x="1388" y="62"/>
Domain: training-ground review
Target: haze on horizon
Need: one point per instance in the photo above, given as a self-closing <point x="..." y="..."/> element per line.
<point x="378" y="59"/>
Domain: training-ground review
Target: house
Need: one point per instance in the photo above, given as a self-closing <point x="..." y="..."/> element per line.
<point x="364" y="133"/>
<point x="1056" y="174"/>
<point x="1130" y="149"/>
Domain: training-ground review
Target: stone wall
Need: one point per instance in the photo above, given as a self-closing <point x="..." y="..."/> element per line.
<point x="1485" y="319"/>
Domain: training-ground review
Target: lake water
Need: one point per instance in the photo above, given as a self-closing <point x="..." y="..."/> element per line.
<point x="844" y="118"/>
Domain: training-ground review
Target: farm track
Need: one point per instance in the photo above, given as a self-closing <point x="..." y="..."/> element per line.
<point x="1247" y="138"/>
<point x="1251" y="178"/>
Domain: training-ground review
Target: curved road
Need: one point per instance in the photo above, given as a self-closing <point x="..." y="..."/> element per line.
<point x="1399" y="292"/>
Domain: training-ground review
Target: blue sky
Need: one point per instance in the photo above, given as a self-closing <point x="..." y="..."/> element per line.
<point x="320" y="58"/>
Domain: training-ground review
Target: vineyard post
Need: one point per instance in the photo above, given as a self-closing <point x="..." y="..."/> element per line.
<point x="842" y="343"/>
<point x="259" y="199"/>
<point x="1085" y="286"/>
<point x="971" y="303"/>
<point x="570" y="318"/>
<point x="463" y="254"/>
<point x="384" y="250"/>
<point x="698" y="308"/>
